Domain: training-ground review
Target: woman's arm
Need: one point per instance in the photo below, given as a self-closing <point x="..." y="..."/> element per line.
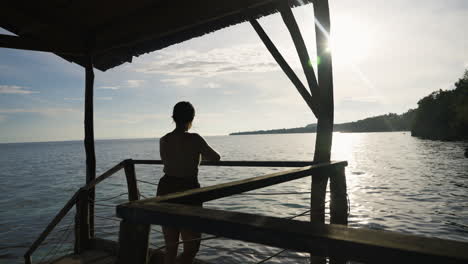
<point x="208" y="153"/>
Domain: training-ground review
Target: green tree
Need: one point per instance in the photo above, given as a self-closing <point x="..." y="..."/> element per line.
<point x="443" y="114"/>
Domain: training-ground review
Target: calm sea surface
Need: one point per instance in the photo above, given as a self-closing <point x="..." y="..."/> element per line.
<point x="395" y="182"/>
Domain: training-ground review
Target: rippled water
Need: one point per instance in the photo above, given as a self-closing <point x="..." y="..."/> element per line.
<point x="395" y="182"/>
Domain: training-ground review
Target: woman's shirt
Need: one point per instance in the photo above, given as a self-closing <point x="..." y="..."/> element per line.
<point x="181" y="154"/>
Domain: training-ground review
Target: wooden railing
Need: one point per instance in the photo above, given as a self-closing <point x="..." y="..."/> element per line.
<point x="335" y="241"/>
<point x="80" y="199"/>
<point x="139" y="215"/>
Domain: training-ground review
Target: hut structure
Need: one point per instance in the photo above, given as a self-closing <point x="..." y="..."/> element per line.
<point x="105" y="34"/>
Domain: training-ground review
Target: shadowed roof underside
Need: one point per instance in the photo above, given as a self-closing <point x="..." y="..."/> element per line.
<point x="117" y="30"/>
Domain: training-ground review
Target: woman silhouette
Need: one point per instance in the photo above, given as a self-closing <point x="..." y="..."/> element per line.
<point x="181" y="153"/>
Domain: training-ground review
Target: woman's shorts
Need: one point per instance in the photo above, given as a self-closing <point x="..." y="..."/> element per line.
<point x="168" y="184"/>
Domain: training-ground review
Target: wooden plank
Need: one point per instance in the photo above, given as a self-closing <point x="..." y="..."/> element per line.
<point x="133" y="243"/>
<point x="235" y="187"/>
<point x="155" y="256"/>
<point x="237" y="163"/>
<point x="62" y="213"/>
<point x="311" y="102"/>
<point x="23" y="43"/>
<point x="87" y="257"/>
<point x="89" y="137"/>
<point x="131" y="180"/>
<point x="323" y="141"/>
<point x="324" y="240"/>
<point x="109" y="246"/>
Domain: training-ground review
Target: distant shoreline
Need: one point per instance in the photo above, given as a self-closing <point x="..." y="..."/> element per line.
<point x="383" y="123"/>
<point x="247" y="133"/>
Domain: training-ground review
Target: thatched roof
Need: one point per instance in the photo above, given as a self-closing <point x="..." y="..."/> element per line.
<point x="121" y="29"/>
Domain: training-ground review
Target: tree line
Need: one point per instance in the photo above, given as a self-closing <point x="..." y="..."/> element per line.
<point x="442" y="115"/>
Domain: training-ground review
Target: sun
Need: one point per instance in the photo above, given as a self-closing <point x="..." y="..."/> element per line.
<point x="350" y="40"/>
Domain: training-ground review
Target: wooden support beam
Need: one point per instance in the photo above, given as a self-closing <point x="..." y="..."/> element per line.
<point x="363" y="245"/>
<point x="239" y="163"/>
<point x="338" y="198"/>
<point x="317" y="196"/>
<point x="310" y="100"/>
<point x="23" y="43"/>
<point x="133" y="243"/>
<point x="89" y="137"/>
<point x="131" y="180"/>
<point x="82" y="237"/>
<point x="227" y="189"/>
<point x="323" y="142"/>
<point x="291" y="24"/>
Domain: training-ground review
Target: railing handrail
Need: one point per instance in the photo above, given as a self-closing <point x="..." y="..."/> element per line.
<point x="239" y="163"/>
<point x="69" y="205"/>
<point x="72" y="201"/>
<point x="360" y="244"/>
<point x="235" y="187"/>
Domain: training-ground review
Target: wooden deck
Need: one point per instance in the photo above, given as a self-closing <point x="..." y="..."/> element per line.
<point x="87" y="257"/>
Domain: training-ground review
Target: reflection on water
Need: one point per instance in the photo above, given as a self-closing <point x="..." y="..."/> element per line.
<point x="395" y="182"/>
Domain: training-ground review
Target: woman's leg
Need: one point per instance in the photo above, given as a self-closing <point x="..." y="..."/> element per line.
<point x="171" y="237"/>
<point x="191" y="245"/>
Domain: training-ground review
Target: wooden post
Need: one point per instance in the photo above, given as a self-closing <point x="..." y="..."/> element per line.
<point x="323" y="142"/>
<point x="338" y="197"/>
<point x="133" y="243"/>
<point x="89" y="138"/>
<point x="82" y="231"/>
<point x="131" y="180"/>
<point x="27" y="260"/>
<point x="338" y="204"/>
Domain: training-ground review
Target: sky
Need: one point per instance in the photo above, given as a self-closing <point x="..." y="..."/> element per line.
<point x="386" y="56"/>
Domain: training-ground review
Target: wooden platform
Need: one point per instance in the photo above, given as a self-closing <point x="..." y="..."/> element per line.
<point x="88" y="257"/>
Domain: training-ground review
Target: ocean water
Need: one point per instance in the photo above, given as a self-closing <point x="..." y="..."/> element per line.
<point x="395" y="182"/>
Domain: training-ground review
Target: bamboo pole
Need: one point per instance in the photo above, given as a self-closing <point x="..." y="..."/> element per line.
<point x="89" y="138"/>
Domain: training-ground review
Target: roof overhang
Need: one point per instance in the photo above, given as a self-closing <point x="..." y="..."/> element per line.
<point x="115" y="31"/>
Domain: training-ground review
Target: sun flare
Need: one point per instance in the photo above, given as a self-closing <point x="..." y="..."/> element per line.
<point x="350" y="40"/>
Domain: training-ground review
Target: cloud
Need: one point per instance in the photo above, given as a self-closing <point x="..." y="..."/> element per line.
<point x="241" y="58"/>
<point x="13" y="89"/>
<point x="106" y="98"/>
<point x="134" y="83"/>
<point x="109" y="87"/>
<point x="133" y="119"/>
<point x="212" y="85"/>
<point x="42" y="111"/>
<point x="178" y="81"/>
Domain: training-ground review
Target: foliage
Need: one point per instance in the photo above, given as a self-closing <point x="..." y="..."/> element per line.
<point x="382" y="123"/>
<point x="443" y="115"/>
